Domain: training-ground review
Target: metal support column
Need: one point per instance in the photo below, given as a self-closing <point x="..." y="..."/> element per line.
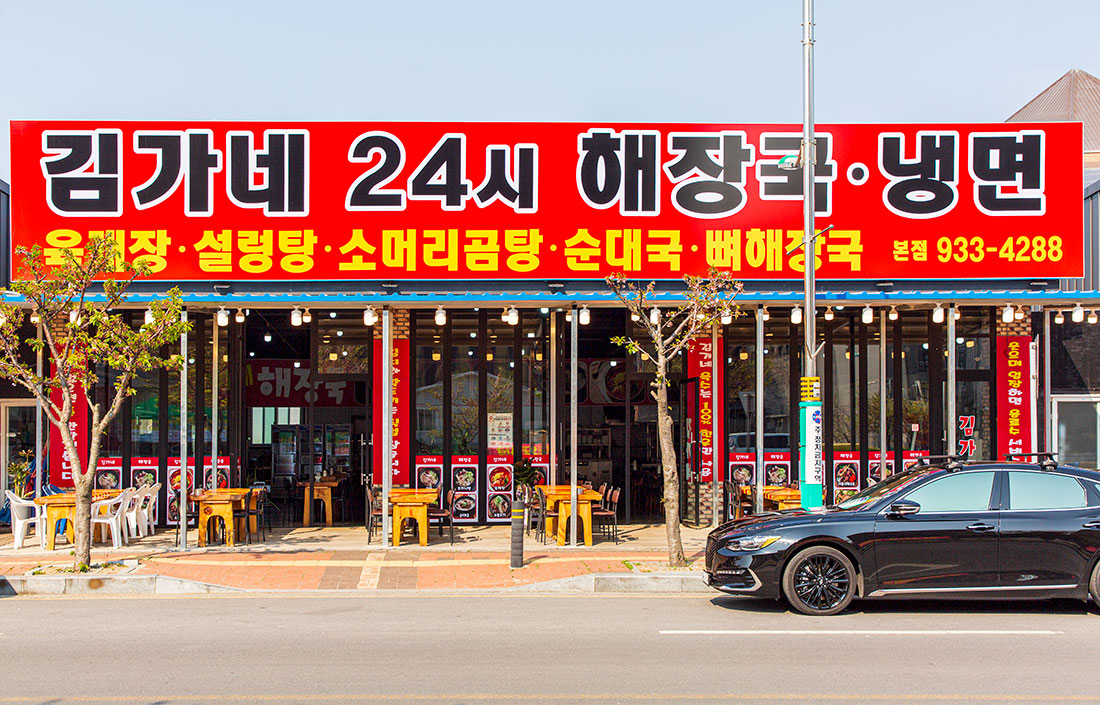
<point x="184" y="488"/>
<point x="1048" y="404"/>
<point x="758" y="476"/>
<point x="39" y="460"/>
<point x="716" y="404"/>
<point x="215" y="359"/>
<point x="882" y="433"/>
<point x="951" y="420"/>
<point x="573" y="346"/>
<point x="553" y="469"/>
<point x="387" y="422"/>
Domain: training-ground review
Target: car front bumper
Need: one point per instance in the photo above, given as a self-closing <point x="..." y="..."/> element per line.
<point x="755" y="573"/>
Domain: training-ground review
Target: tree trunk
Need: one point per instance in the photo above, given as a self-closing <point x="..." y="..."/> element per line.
<point x="82" y="521"/>
<point x="670" y="471"/>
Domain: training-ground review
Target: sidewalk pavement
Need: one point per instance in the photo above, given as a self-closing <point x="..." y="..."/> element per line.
<point x="339" y="558"/>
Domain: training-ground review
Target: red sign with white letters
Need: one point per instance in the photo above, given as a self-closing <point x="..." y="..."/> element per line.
<point x="353" y="201"/>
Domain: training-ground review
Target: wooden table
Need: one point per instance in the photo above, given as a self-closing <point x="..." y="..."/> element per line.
<point x="559" y="498"/>
<point x="221" y="503"/>
<point x="63" y="506"/>
<point x="322" y="490"/>
<point x="785" y="497"/>
<point x="412" y="504"/>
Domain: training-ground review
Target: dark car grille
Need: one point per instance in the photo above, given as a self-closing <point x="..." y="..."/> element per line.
<point x="712" y="548"/>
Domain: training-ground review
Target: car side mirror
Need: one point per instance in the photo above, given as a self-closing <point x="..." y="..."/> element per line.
<point x="901" y="508"/>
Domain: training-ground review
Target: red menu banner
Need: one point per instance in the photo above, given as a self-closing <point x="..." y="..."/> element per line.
<point x="399" y="396"/>
<point x="700" y="357"/>
<point x="1015" y="402"/>
<point x="61" y="465"/>
<point x="264" y="201"/>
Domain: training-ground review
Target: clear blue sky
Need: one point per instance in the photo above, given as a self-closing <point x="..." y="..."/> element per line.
<point x="650" y="61"/>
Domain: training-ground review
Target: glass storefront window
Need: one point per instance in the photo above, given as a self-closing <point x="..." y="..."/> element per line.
<point x="535" y="399"/>
<point x="777" y="381"/>
<point x="973" y="331"/>
<point x="500" y="390"/>
<point x="465" y="391"/>
<point x="429" y="385"/>
<point x="740" y="347"/>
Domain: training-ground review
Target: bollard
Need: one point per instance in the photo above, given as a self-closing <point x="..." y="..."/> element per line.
<point x="517" y="533"/>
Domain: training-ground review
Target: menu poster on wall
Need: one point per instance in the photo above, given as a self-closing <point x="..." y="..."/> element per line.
<point x="541" y="465"/>
<point x="464" y="483"/>
<point x="208" y="472"/>
<point x="876" y="464"/>
<point x="108" y="474"/>
<point x="499" y="433"/>
<point x="742" y="468"/>
<point x="777" y="469"/>
<point x="498" y="504"/>
<point x="143" y="472"/>
<point x="174" y="487"/>
<point x="845" y="473"/>
<point x="909" y="458"/>
<point x="429" y="471"/>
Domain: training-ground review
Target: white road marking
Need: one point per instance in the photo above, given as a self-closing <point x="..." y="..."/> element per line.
<point x="865" y="632"/>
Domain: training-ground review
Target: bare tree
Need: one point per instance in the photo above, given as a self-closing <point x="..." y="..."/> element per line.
<point x="77" y="337"/>
<point x="668" y="332"/>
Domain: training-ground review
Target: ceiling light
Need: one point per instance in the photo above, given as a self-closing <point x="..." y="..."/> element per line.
<point x="868" y="314"/>
<point x="267" y="337"/>
<point x="938" y="314"/>
<point x="222" y="317"/>
<point x="297" y="364"/>
<point x="370" y="316"/>
<point x="829" y="315"/>
<point x="958" y="314"/>
<point x="239" y="318"/>
<point x="655" y="316"/>
<point x="307" y="317"/>
<point x="332" y="314"/>
<point x="893" y="315"/>
<point x="796" y="315"/>
<point x="35" y="318"/>
<point x="635" y="317"/>
<point x="764" y="315"/>
<point x="585" y="315"/>
<point x="727" y="317"/>
<point x="1078" y="314"/>
<point x="148" y="316"/>
<point x="73" y="315"/>
<point x="1019" y="315"/>
<point x="440" y="317"/>
<point x="1060" y="318"/>
<point x="1092" y="317"/>
<point x="568" y="315"/>
<point x="1007" y="314"/>
<point x="504" y="314"/>
<point x="296" y="317"/>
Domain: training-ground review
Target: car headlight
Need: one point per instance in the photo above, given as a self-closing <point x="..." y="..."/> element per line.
<point x="750" y="543"/>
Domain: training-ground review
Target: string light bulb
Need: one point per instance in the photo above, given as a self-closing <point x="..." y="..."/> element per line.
<point x="296" y="317"/>
<point x="655" y="316"/>
<point x="938" y="314"/>
<point x="1060" y="318"/>
<point x="868" y="314"/>
<point x="727" y="317"/>
<point x="307" y="317"/>
<point x="370" y="316"/>
<point x="585" y="315"/>
<point x="239" y="318"/>
<point x="267" y="336"/>
<point x="513" y="317"/>
<point x="440" y="317"/>
<point x="1078" y="314"/>
<point x="893" y="315"/>
<point x="148" y="316"/>
<point x="796" y="315"/>
<point x="829" y="315"/>
<point x="1007" y="314"/>
<point x="222" y="317"/>
<point x="764" y="315"/>
<point x="1019" y="315"/>
<point x="1093" y="317"/>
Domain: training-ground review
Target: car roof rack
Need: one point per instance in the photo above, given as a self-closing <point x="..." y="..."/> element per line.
<point x="952" y="462"/>
<point x="1046" y="459"/>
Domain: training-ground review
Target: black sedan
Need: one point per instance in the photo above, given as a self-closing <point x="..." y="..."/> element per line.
<point x="1005" y="529"/>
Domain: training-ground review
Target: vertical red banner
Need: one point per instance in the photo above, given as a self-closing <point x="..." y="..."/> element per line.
<point x="1014" y="395"/>
<point x="700" y="359"/>
<point x="399" y="394"/>
<point x="61" y="465"/>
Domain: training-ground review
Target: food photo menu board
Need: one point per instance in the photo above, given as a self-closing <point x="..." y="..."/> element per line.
<point x="777" y="469"/>
<point x="144" y="472"/>
<point x="464" y="483"/>
<point x="174" y="487"/>
<point x="845" y="474"/>
<point x="208" y="472"/>
<point x="108" y="474"/>
<point x="499" y="484"/>
<point x="429" y="472"/>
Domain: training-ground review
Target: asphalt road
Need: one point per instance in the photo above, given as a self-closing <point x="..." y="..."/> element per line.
<point x="536" y="648"/>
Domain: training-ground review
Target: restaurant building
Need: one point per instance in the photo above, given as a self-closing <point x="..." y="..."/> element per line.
<point x="956" y="297"/>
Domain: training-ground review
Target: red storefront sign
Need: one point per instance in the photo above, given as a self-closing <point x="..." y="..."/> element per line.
<point x="61" y="465"/>
<point x="700" y="357"/>
<point x="399" y="396"/>
<point x="352" y="201"/>
<point x="1015" y="403"/>
<point x="280" y="383"/>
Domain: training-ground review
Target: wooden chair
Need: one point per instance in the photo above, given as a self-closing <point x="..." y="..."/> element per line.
<point x="544" y="513"/>
<point x="245" y="513"/>
<point x="374" y="513"/>
<point x="443" y="513"/>
<point x="608" y="516"/>
<point x="603" y="494"/>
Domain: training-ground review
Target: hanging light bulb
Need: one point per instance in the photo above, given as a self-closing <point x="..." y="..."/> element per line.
<point x="35" y="318"/>
<point x="307" y="317"/>
<point x="440" y="317"/>
<point x="504" y="314"/>
<point x="513" y="317"/>
<point x="829" y="315"/>
<point x="764" y="315"/>
<point x="1060" y="318"/>
<point x="1007" y="314"/>
<point x="370" y="316"/>
<point x="239" y="318"/>
<point x="1078" y="314"/>
<point x="267" y="336"/>
<point x="635" y="317"/>
<point x="868" y="314"/>
<point x="796" y="315"/>
<point x="655" y="316"/>
<point x="893" y="315"/>
<point x="1092" y="317"/>
<point x="296" y="317"/>
<point x="223" y="317"/>
<point x="74" y="315"/>
<point x="938" y="314"/>
<point x="568" y="315"/>
<point x="148" y="316"/>
<point x="585" y="315"/>
<point x="958" y="313"/>
<point x="1019" y="315"/>
<point x="727" y="316"/>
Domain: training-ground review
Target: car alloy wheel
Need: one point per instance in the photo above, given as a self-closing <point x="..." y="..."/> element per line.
<point x="1094" y="585"/>
<point x="819" y="581"/>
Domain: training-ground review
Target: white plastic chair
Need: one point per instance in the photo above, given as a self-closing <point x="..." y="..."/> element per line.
<point x="115" y="518"/>
<point x="136" y="522"/>
<point x="25" y="512"/>
<point x="151" y="509"/>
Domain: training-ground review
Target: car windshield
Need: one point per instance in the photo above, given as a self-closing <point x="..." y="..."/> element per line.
<point x="876" y="492"/>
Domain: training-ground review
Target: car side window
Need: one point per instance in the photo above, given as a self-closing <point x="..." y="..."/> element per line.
<point x="964" y="492"/>
<point x="1040" y="490"/>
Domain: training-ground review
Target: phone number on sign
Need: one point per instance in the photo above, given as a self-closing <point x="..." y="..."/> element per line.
<point x="1021" y="248"/>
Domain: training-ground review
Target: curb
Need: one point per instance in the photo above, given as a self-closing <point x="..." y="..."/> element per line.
<point x="622" y="583"/>
<point x="11" y="585"/>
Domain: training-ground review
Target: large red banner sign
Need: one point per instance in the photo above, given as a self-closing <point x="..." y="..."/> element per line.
<point x="399" y="395"/>
<point x="354" y="201"/>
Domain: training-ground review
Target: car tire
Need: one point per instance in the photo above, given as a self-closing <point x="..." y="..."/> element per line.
<point x="1094" y="585"/>
<point x="820" y="581"/>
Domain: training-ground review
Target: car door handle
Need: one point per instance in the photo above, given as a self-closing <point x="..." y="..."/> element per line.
<point x="1092" y="524"/>
<point x="980" y="527"/>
